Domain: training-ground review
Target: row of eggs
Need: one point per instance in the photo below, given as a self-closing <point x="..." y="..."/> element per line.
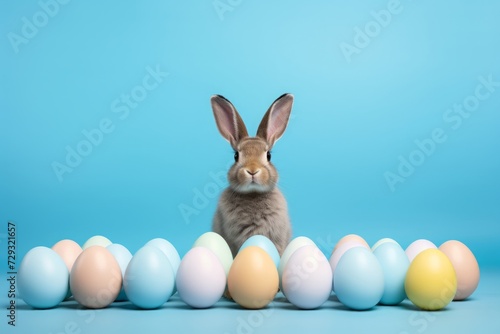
<point x="102" y="272"/>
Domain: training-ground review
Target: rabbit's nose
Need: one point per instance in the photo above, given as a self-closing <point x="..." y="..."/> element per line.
<point x="253" y="172"/>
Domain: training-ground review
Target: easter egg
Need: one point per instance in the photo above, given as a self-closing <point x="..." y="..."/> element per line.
<point x="359" y="279"/>
<point x="351" y="237"/>
<point x="218" y="246"/>
<point x="201" y="278"/>
<point x="68" y="250"/>
<point x="289" y="250"/>
<point x="253" y="278"/>
<point x="431" y="282"/>
<point x="122" y="256"/>
<point x="465" y="265"/>
<point x="149" y="278"/>
<point x="418" y="246"/>
<point x="307" y="278"/>
<point x="394" y="263"/>
<point x="264" y="243"/>
<point x="383" y="241"/>
<point x="169" y="250"/>
<point x="96" y="278"/>
<point x="97" y="240"/>
<point x="339" y="251"/>
<point x="42" y="278"/>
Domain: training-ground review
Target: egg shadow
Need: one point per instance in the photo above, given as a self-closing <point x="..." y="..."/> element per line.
<point x="281" y="299"/>
<point x="291" y="307"/>
<point x="334" y="298"/>
<point x="69" y="306"/>
<point x="342" y="307"/>
<point x="24" y="307"/>
<point x="73" y="306"/>
<point x="407" y="305"/>
<point x="126" y="305"/>
<point x="469" y="299"/>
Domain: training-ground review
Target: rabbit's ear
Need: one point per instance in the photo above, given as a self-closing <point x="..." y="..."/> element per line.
<point x="228" y="120"/>
<point x="275" y="120"/>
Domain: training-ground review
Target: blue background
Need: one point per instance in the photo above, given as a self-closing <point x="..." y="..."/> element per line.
<point x="353" y="118"/>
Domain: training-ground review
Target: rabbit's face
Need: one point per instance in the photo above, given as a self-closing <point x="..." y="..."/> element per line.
<point x="252" y="170"/>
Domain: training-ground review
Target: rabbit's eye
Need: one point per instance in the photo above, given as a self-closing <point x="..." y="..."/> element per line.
<point x="236" y="156"/>
<point x="268" y="156"/>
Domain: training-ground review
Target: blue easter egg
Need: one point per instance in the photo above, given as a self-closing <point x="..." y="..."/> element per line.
<point x="169" y="250"/>
<point x="359" y="279"/>
<point x="149" y="278"/>
<point x="42" y="278"/>
<point x="123" y="257"/>
<point x="394" y="264"/>
<point x="264" y="243"/>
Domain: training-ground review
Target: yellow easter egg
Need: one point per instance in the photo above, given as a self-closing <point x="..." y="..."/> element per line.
<point x="431" y="281"/>
<point x="253" y="278"/>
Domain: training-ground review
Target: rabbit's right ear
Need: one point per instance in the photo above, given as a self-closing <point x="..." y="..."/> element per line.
<point x="228" y="120"/>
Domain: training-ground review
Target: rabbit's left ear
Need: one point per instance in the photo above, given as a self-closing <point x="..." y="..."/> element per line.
<point x="275" y="120"/>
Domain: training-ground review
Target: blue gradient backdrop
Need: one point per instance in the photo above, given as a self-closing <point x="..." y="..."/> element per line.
<point x="357" y="113"/>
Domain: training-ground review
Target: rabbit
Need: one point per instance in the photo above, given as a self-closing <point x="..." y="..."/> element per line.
<point x="252" y="204"/>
